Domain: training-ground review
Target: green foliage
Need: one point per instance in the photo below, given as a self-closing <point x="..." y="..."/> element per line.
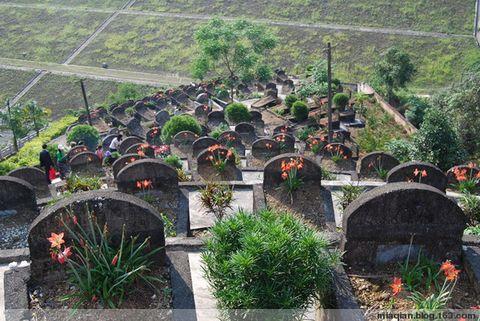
<point x="101" y="271"/>
<point x="401" y="149"/>
<point x="300" y="111"/>
<point x="473" y="230"/>
<point x="236" y="50"/>
<point x="168" y="225"/>
<point x="178" y="124"/>
<point x="216" y="199"/>
<point x="28" y="154"/>
<point x="173" y="160"/>
<point x="470" y="205"/>
<point x="219" y="130"/>
<point x="394" y="70"/>
<point x="84" y="133"/>
<point x="341" y="101"/>
<point x="264" y="73"/>
<point x="350" y="193"/>
<point x="416" y="108"/>
<point x="76" y="183"/>
<point x="437" y="142"/>
<point x="268" y="260"/>
<point x="237" y="113"/>
<point x="315" y="83"/>
<point x="14" y="121"/>
<point x="304" y="133"/>
<point x="423" y="274"/>
<point x="125" y="92"/>
<point x="290" y="100"/>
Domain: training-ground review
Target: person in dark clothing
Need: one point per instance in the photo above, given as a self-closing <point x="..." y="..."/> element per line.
<point x="46" y="162"/>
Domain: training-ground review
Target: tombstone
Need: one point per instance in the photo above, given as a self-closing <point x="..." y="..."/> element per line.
<point x="247" y="132"/>
<point x="232" y="139"/>
<point x="347" y="116"/>
<point x="119" y="212"/>
<point x="418" y="172"/>
<point x="76" y="150"/>
<point x="203" y="143"/>
<point x="161" y="118"/>
<point x="180" y="98"/>
<point x="272" y="172"/>
<point x="157" y="175"/>
<point x="271" y="86"/>
<point x="288" y="87"/>
<point x="127" y="142"/>
<point x="134" y="126"/>
<point x="379" y="225"/>
<point x="265" y="102"/>
<point x="184" y="140"/>
<point x="154" y="136"/>
<point x="114" y="131"/>
<point x="86" y="163"/>
<point x="283" y="129"/>
<point x="142" y="149"/>
<point x="215" y="118"/>
<point x="206" y="170"/>
<point x="337" y="149"/>
<point x="107" y="141"/>
<point x="466" y="171"/>
<point x="35" y="177"/>
<point x="202" y="111"/>
<point x="370" y="164"/>
<point x="123" y="161"/>
<point x="202" y="98"/>
<point x="265" y="148"/>
<point x="272" y="93"/>
<point x="286" y="142"/>
<point x="256" y="116"/>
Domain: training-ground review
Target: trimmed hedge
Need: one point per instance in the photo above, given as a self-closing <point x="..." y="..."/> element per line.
<point x="237" y="113"/>
<point x="300" y="110"/>
<point x="28" y="154"/>
<point x="341" y="101"/>
<point x="84" y="133"/>
<point x="178" y="124"/>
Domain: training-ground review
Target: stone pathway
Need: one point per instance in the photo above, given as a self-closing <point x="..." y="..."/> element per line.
<point x="205" y="303"/>
<point x="3" y="268"/>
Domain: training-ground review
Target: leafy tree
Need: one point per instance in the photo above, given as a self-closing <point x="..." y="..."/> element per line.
<point x="14" y="120"/>
<point x="178" y="124"/>
<point x="436" y="141"/>
<point x="38" y="116"/>
<point x="233" y="50"/>
<point x="125" y="92"/>
<point x="416" y="108"/>
<point x="316" y="82"/>
<point x="394" y="71"/>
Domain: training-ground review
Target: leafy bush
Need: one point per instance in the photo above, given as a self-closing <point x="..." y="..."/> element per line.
<point x="471" y="207"/>
<point x="219" y="130"/>
<point x="437" y="142"/>
<point x="173" y="160"/>
<point x="290" y="100"/>
<point x="349" y="194"/>
<point x="401" y="149"/>
<point x="341" y="101"/>
<point x="416" y="108"/>
<point x="300" y="110"/>
<point x="269" y="260"/>
<point x="28" y="154"/>
<point x="178" y="124"/>
<point x="100" y="271"/>
<point x="127" y="91"/>
<point x="216" y="199"/>
<point x="237" y="113"/>
<point x="77" y="183"/>
<point x="304" y="133"/>
<point x="84" y="133"/>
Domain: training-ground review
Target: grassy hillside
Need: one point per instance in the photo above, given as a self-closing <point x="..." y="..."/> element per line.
<point x="448" y="16"/>
<point x="11" y="82"/>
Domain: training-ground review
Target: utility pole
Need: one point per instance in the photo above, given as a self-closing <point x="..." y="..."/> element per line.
<point x="476" y="31"/>
<point x="86" y="102"/>
<point x="33" y="110"/>
<point x="15" y="142"/>
<point x="329" y="79"/>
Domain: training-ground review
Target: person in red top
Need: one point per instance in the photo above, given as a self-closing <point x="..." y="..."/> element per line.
<point x="99" y="152"/>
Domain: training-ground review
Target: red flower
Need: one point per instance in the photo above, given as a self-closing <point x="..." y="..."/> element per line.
<point x="424" y="173"/>
<point x="451" y="273"/>
<point x="416" y="172"/>
<point x="396" y="286"/>
<point x="75" y="220"/>
<point x="115" y="260"/>
<point x="63" y="256"/>
<point x="284" y="175"/>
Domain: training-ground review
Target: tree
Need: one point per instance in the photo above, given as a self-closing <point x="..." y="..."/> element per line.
<point x="437" y="142"/>
<point x="416" y="108"/>
<point x="394" y="71"/>
<point x="13" y="118"/>
<point x="233" y="50"/>
<point x="38" y="116"/>
<point x="316" y="81"/>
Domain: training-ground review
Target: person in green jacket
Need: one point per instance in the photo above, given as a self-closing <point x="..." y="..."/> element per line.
<point x="61" y="161"/>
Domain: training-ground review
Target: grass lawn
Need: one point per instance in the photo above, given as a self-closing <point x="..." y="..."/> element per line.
<point x="100" y="4"/>
<point x="44" y="35"/>
<point x="63" y="93"/>
<point x="158" y="44"/>
<point x="11" y="82"/>
<point x="448" y="16"/>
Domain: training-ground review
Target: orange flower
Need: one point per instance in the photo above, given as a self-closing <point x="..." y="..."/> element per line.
<point x="478" y="175"/>
<point x="139" y="184"/>
<point x="147" y="183"/>
<point x="424" y="173"/>
<point x="396" y="286"/>
<point x="284" y="175"/>
<point x="416" y="172"/>
<point x="462" y="319"/>
<point x="141" y="153"/>
<point x="56" y="240"/>
<point x="229" y="153"/>
<point x="451" y="273"/>
<point x="300" y="166"/>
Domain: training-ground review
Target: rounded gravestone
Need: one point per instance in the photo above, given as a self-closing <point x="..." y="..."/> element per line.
<point x="154" y="136"/>
<point x="418" y="172"/>
<point x="161" y="118"/>
<point x="232" y="139"/>
<point x="247" y="132"/>
<point x="184" y="140"/>
<point x="123" y="161"/>
<point x="337" y="149"/>
<point x="256" y="116"/>
<point x="264" y="148"/>
<point x="107" y="141"/>
<point x="215" y="118"/>
<point x="127" y="142"/>
<point x="202" y="98"/>
<point x="76" y="150"/>
<point x="207" y="170"/>
<point x="460" y="173"/>
<point x="283" y="129"/>
<point x="142" y="149"/>
<point x="34" y="176"/>
<point x="286" y="142"/>
<point x="203" y="143"/>
<point x="380" y="224"/>
<point x="272" y="172"/>
<point x="158" y="175"/>
<point x="375" y="163"/>
<point x="116" y="210"/>
<point x="18" y="208"/>
<point x="86" y="163"/>
<point x="202" y="111"/>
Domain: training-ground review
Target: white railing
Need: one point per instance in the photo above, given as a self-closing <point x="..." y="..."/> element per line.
<point x="9" y="150"/>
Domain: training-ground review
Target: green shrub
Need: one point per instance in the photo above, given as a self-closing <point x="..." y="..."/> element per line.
<point x="401" y="149"/>
<point x="268" y="260"/>
<point x="237" y="113"/>
<point x="416" y="108"/>
<point x="178" y="124"/>
<point x="300" y="110"/>
<point x="84" y="133"/>
<point x="219" y="130"/>
<point x="290" y="100"/>
<point x="77" y="183"/>
<point x="470" y="204"/>
<point x="173" y="160"/>
<point x="28" y="154"/>
<point x="341" y="101"/>
<point x="304" y="133"/>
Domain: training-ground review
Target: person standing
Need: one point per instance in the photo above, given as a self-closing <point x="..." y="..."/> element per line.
<point x="115" y="143"/>
<point x="61" y="162"/>
<point x="46" y="162"/>
<point x="99" y="152"/>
